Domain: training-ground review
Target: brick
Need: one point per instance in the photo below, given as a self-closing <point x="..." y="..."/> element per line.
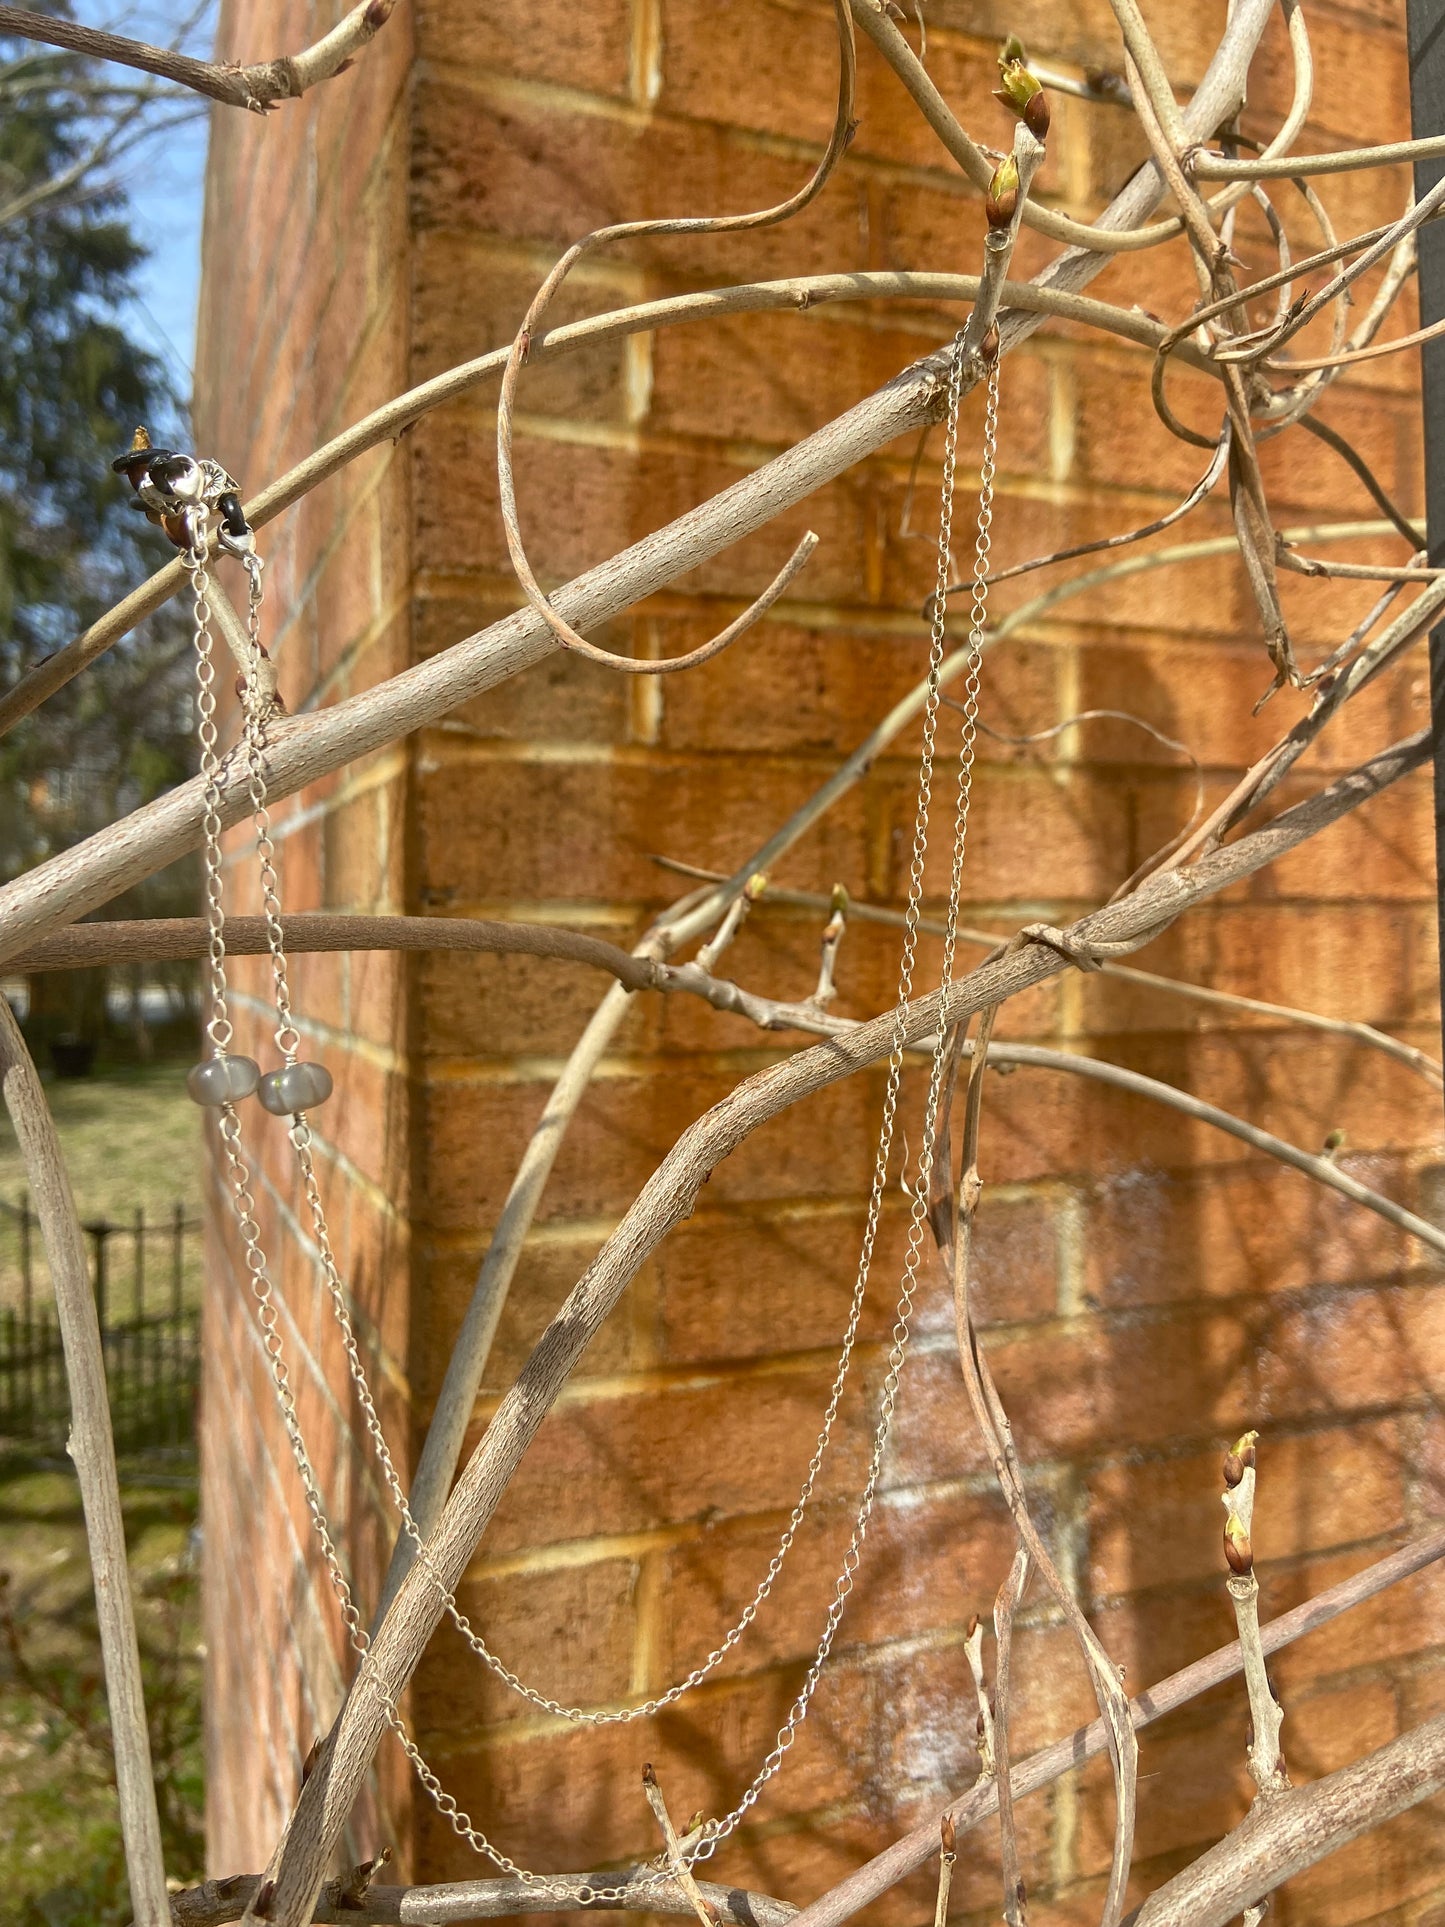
<point x="589" y="50"/>
<point x="628" y="1463"/>
<point x="1263" y="1232"/>
<point x="710" y="1275"/>
<point x="550" y="1265"/>
<point x="495" y="160"/>
<point x="927" y="1563"/>
<point x="580" y="501"/>
<point x="583" y="1616"/>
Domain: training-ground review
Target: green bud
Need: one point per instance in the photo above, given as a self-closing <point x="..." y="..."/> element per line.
<point x="1002" y="198"/>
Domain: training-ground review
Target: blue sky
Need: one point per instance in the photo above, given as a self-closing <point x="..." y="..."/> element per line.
<point x="167" y="190"/>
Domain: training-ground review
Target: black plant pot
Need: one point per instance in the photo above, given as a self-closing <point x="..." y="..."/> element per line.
<point x="72" y="1056"/>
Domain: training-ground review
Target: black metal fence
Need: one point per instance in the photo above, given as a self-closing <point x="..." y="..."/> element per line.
<point x="145" y="1275"/>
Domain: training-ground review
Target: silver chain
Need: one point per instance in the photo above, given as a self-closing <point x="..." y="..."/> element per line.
<point x="288" y="1041"/>
<point x="194" y="557"/>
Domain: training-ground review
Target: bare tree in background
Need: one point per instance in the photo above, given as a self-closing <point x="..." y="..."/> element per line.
<point x="1273" y="342"/>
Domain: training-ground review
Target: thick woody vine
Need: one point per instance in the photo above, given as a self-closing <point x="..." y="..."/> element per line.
<point x="1231" y="328"/>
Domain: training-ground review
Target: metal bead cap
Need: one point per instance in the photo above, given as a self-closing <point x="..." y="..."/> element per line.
<point x="295" y="1087"/>
<point x="222" y="1080"/>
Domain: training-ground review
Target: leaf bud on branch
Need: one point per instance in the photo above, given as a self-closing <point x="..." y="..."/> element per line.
<point x="1020" y="90"/>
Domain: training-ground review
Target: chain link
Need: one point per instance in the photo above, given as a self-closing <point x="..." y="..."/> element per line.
<point x="193" y="558"/>
<point x="288" y="1041"/>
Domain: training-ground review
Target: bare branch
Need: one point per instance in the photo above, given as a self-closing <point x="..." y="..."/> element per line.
<point x="561" y="629"/>
<point x="1299" y="1828"/>
<point x="92" y="1448"/>
<point x="797" y="295"/>
<point x="1345" y="160"/>
<point x="258" y="86"/>
<point x="1360" y="1033"/>
<point x="1266" y="1760"/>
<point x="971" y="1809"/>
<point x="167" y="939"/>
<point x="219" y="1901"/>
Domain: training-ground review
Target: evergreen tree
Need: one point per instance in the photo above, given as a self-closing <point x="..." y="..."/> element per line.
<point x="72" y="387"/>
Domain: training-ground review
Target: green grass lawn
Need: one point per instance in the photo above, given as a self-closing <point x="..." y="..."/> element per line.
<point x="131" y="1137"/>
<point x="132" y="1140"/>
<point x="61" y="1863"/>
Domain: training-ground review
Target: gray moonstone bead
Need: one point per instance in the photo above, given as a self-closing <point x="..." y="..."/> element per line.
<point x="222" y="1080"/>
<point x="295" y="1087"/>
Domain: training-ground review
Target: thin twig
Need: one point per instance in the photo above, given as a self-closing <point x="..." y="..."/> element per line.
<point x="92" y="1448"/>
<point x="832" y="941"/>
<point x="1266" y="1760"/>
<point x="884" y="1872"/>
<point x="1010" y="1597"/>
<point x="563" y="631"/>
<point x="676" y="1859"/>
<point x="987" y="1750"/>
<point x="1201" y="489"/>
<point x="1360" y="1033"/>
<point x="995" y="1431"/>
<point x="947" y="1856"/>
<point x="258" y="86"/>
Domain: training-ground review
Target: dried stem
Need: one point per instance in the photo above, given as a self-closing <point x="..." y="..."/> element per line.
<point x="219" y="1901"/>
<point x="1345" y="160"/>
<point x="832" y="942"/>
<point x="1266" y="1760"/>
<point x="987" y="1749"/>
<point x="682" y="1872"/>
<point x="92" y="1449"/>
<point x="997" y="1436"/>
<point x="563" y="631"/>
<point x="947" y="1856"/>
<point x="1041" y="1769"/>
<point x="1010" y="1597"/>
<point x="1299" y="1828"/>
<point x="258" y="86"/>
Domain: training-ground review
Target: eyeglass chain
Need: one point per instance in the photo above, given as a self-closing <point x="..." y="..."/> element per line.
<point x="185" y="497"/>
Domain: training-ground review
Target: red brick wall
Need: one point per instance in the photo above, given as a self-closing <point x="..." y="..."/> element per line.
<point x="1150" y="1288"/>
<point x="304" y="326"/>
